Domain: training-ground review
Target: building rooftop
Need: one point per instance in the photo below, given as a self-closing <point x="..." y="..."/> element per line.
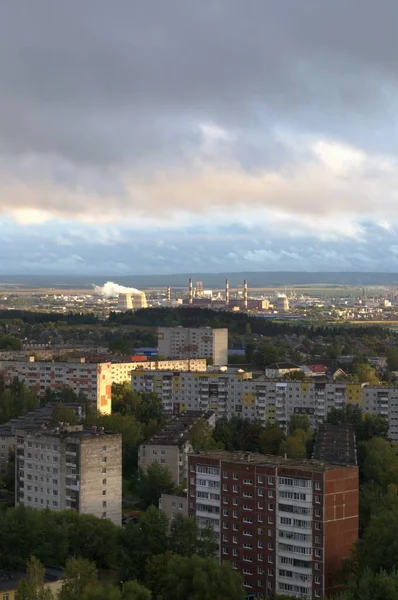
<point x="66" y="430"/>
<point x="176" y="431"/>
<point x="264" y="460"/>
<point x="336" y="444"/>
<point x="40" y="416"/>
<point x="283" y="365"/>
<point x="9" y="579"/>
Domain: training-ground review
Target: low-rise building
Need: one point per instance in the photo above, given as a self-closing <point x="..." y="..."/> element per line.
<point x="9" y="581"/>
<point x="280" y="369"/>
<point x="171" y="446"/>
<point x="173" y="505"/>
<point x="70" y="468"/>
<point x="285" y="525"/>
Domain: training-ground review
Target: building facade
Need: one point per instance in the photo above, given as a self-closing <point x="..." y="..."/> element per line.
<point x="187" y="342"/>
<point x="170" y="447"/>
<point x="68" y="468"/>
<point x="93" y="378"/>
<point x="284" y="525"/>
<point x="236" y="393"/>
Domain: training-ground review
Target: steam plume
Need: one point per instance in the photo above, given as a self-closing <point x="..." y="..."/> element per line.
<point x="112" y="290"/>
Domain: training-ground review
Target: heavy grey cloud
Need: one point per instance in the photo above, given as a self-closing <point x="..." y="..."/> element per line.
<point x="146" y="112"/>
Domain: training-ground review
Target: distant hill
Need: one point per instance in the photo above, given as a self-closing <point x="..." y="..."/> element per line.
<point x="210" y="280"/>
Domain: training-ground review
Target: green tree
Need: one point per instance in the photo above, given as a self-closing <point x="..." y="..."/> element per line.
<point x="32" y="587"/>
<point x="140" y="541"/>
<point x="63" y="414"/>
<point x="187" y="538"/>
<point x="155" y="482"/>
<point x="294" y="447"/>
<point x="364" y="373"/>
<point x="270" y="439"/>
<point x="378" y="548"/>
<point x="201" y="436"/>
<point x="132" y="590"/>
<point x="119" y="345"/>
<point x="298" y="422"/>
<point x="196" y="578"/>
<point x="79" y="575"/>
<point x="156" y="572"/>
<point x="392" y="359"/>
<point x="371" y="586"/>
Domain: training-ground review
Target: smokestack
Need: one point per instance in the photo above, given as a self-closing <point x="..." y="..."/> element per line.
<point x="168" y="293"/>
<point x="190" y="292"/>
<point x="226" y="292"/>
<point x="245" y="294"/>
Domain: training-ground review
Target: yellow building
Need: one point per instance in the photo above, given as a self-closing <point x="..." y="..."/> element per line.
<point x="9" y="582"/>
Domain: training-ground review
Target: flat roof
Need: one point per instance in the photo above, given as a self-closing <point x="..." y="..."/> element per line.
<point x="176" y="430"/>
<point x="264" y="460"/>
<point x="336" y="444"/>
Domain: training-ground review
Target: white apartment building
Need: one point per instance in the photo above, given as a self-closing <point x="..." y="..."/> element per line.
<point x="188" y="342"/>
<point x="94" y="379"/>
<point x="68" y="468"/>
<point x="236" y="393"/>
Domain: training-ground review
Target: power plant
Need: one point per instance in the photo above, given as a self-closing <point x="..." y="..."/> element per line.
<point x="131" y="301"/>
<point x="199" y="297"/>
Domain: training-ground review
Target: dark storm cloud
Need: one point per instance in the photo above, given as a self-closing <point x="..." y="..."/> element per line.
<point x="104" y="81"/>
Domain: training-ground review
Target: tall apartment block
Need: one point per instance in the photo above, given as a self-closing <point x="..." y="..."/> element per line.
<point x="93" y="378"/>
<point x="230" y="392"/>
<point x="285" y="525"/>
<point x="69" y="468"/>
<point x="187" y="342"/>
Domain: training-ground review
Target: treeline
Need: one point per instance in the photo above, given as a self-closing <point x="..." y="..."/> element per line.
<point x="235" y="322"/>
<point x="166" y="561"/>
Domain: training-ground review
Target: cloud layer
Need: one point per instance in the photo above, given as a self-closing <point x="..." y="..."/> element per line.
<point x="235" y="135"/>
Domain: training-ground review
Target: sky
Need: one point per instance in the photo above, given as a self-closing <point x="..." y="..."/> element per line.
<point x="198" y="136"/>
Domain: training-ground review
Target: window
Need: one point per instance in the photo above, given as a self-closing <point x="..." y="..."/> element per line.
<point x="248" y="481"/>
<point x="260" y="544"/>
<point x="317" y="566"/>
<point x="225" y="550"/>
<point x="317" y="485"/>
<point x="104" y="515"/>
<point x="225" y="474"/>
<point x="235" y="489"/>
<point x="317" y="526"/>
<point x="104" y="492"/>
<point x="270" y="507"/>
<point x="104" y="482"/>
<point x="270" y="481"/>
<point x="317" y="539"/>
<point x="225" y="512"/>
<point x="260" y="479"/>
<point x="247" y="507"/>
<point x="317" y="512"/>
<point x="234" y="539"/>
<point x="270" y="560"/>
<point x="270" y="546"/>
<point x="317" y="499"/>
<point x="234" y="527"/>
<point x="104" y="448"/>
<point x="318" y="553"/>
<point x="104" y="459"/>
<point x="317" y="579"/>
<point x="104" y="504"/>
<point x="270" y="520"/>
<point x="259" y="557"/>
<point x="234" y="476"/>
<point x="260" y="492"/>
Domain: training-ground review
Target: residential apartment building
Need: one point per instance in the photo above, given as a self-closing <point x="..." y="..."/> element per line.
<point x="94" y="379"/>
<point x="170" y="446"/>
<point x="284" y="524"/>
<point x="173" y="505"/>
<point x="66" y="468"/>
<point x="188" y="342"/>
<point x="35" y="418"/>
<point x="231" y="392"/>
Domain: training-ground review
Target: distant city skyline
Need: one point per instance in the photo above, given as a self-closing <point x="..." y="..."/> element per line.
<point x="176" y="137"/>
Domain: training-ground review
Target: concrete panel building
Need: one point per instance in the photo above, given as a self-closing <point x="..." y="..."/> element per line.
<point x="284" y="525"/>
<point x="93" y="378"/>
<point x="171" y="446"/>
<point x="187" y="342"/>
<point x="68" y="468"/>
<point x="173" y="505"/>
<point x="232" y="392"/>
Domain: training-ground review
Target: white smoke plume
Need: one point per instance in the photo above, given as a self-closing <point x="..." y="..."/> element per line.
<point x="112" y="290"/>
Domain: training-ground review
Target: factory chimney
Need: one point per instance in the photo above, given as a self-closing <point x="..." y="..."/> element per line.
<point x="190" y="292"/>
<point x="168" y="293"/>
<point x="227" y="293"/>
<point x="245" y="294"/>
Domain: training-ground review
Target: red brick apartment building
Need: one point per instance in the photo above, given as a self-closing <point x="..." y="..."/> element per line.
<point x="284" y="524"/>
